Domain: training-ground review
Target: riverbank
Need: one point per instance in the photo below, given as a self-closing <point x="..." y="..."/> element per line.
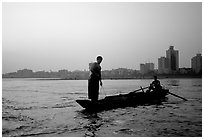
<point x="124" y="78"/>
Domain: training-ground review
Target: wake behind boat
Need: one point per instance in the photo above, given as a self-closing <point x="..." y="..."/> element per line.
<point x="125" y="100"/>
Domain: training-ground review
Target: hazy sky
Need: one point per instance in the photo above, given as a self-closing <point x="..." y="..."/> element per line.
<point x="54" y="36"/>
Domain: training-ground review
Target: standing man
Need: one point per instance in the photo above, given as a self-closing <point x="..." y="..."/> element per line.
<point x="94" y="79"/>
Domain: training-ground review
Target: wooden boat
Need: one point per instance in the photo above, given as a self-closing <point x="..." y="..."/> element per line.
<point x="125" y="100"/>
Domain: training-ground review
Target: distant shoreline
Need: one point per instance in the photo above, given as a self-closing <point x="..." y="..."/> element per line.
<point x="134" y="78"/>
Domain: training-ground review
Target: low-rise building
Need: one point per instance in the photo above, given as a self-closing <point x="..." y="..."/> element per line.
<point x="196" y="63"/>
<point x="163" y="65"/>
<point x="146" y="68"/>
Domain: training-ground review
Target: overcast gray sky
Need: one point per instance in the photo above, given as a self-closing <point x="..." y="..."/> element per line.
<point x="54" y="36"/>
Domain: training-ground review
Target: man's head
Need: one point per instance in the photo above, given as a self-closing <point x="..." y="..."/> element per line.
<point x="155" y="77"/>
<point x="99" y="59"/>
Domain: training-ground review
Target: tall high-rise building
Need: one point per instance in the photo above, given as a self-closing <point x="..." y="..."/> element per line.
<point x="173" y="59"/>
<point x="196" y="63"/>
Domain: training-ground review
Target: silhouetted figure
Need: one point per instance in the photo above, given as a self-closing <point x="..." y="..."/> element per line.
<point x="94" y="79"/>
<point x="155" y="85"/>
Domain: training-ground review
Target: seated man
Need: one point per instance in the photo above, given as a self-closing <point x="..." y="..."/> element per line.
<point x="155" y="85"/>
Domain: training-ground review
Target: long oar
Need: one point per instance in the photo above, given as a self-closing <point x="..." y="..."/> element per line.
<point x="177" y="96"/>
<point x="142" y="89"/>
<point x="139" y="89"/>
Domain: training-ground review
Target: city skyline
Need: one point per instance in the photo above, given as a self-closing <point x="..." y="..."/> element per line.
<point x="150" y="66"/>
<point x="53" y="36"/>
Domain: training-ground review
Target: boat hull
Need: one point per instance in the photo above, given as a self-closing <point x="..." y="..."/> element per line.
<point x="124" y="100"/>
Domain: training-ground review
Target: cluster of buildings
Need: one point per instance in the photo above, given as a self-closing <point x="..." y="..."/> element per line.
<point x="170" y="64"/>
<point x="146" y="68"/>
<point x="62" y="74"/>
<point x="120" y="73"/>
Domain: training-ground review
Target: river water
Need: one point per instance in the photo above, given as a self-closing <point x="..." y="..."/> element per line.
<point x="47" y="108"/>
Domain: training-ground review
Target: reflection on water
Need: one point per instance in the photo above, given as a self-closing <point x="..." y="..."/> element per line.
<point x="173" y="82"/>
<point x="48" y="108"/>
<point x="94" y="123"/>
